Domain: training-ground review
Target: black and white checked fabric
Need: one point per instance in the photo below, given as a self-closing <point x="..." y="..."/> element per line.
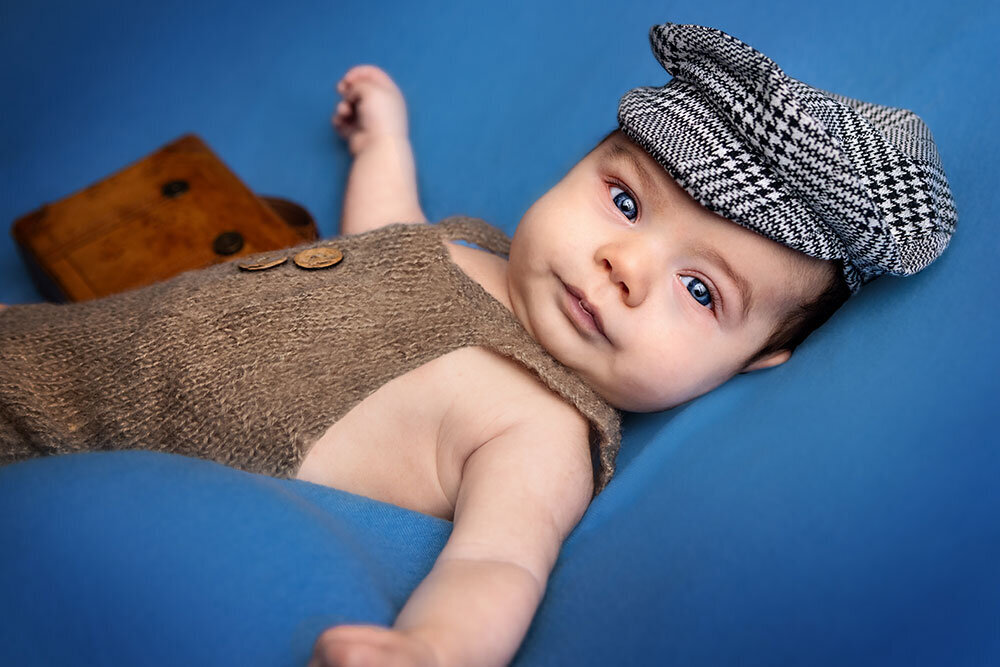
<point x="828" y="175"/>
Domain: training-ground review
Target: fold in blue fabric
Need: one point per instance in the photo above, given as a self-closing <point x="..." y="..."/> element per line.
<point x="128" y="558"/>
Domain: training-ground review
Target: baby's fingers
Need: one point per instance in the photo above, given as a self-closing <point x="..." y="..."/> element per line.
<point x="343" y="115"/>
<point x="348" y="92"/>
<point x="345" y="108"/>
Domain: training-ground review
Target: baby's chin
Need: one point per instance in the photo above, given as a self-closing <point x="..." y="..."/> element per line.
<point x="636" y="398"/>
<point x="629" y="401"/>
<point x="643" y="405"/>
<point x="631" y="404"/>
<point x="649" y="398"/>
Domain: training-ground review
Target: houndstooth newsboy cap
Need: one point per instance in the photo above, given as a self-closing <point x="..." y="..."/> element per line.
<point x="831" y="176"/>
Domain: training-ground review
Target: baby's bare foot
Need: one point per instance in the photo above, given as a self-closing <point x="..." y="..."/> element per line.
<point x="373" y="106"/>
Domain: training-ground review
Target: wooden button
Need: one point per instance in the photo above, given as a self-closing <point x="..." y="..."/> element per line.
<point x="318" y="258"/>
<point x="266" y="262"/>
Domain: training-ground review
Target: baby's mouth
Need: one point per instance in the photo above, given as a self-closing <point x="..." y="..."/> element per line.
<point x="583" y="312"/>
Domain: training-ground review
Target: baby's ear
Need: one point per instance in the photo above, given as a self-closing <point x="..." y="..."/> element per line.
<point x="770" y="361"/>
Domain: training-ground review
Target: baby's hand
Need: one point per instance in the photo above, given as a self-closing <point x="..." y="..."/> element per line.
<point x="373" y="105"/>
<point x="348" y="645"/>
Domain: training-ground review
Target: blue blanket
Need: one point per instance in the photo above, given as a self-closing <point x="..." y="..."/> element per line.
<point x="839" y="509"/>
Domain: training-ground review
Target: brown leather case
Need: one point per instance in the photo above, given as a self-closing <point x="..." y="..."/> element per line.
<point x="177" y="209"/>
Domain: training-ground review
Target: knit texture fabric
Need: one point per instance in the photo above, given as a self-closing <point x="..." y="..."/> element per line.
<point x="250" y="368"/>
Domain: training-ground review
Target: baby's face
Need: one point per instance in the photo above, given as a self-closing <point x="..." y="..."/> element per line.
<point x="684" y="295"/>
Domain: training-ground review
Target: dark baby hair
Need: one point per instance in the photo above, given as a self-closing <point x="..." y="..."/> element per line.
<point x="805" y="318"/>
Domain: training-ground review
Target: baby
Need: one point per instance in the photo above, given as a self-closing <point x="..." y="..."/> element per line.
<point x="733" y="211"/>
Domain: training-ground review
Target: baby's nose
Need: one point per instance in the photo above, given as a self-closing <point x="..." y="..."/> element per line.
<point x="627" y="270"/>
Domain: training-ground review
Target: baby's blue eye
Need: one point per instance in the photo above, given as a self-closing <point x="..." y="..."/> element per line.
<point x="698" y="290"/>
<point x="630" y="209"/>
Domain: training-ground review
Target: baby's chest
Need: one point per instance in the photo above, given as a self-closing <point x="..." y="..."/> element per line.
<point x="407" y="442"/>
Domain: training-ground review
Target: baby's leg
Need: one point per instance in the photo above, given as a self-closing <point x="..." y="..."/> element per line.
<point x="382" y="185"/>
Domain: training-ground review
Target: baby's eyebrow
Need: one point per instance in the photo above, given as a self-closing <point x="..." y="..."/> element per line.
<point x="618" y="152"/>
<point x="743" y="286"/>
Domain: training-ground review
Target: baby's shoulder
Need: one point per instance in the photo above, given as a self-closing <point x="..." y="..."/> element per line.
<point x="518" y="428"/>
<point x="492" y="394"/>
<point x="494" y="386"/>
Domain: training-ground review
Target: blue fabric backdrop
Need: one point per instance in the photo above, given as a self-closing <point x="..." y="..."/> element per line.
<point x="839" y="509"/>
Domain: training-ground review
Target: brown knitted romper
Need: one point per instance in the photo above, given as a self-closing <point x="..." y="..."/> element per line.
<point x="250" y="368"/>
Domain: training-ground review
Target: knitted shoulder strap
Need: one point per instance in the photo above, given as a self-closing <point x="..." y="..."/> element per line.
<point x="474" y="230"/>
<point x="502" y="332"/>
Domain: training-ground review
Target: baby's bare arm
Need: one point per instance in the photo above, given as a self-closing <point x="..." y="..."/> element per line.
<point x="381" y="187"/>
<point x="520" y="496"/>
<point x="382" y="184"/>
